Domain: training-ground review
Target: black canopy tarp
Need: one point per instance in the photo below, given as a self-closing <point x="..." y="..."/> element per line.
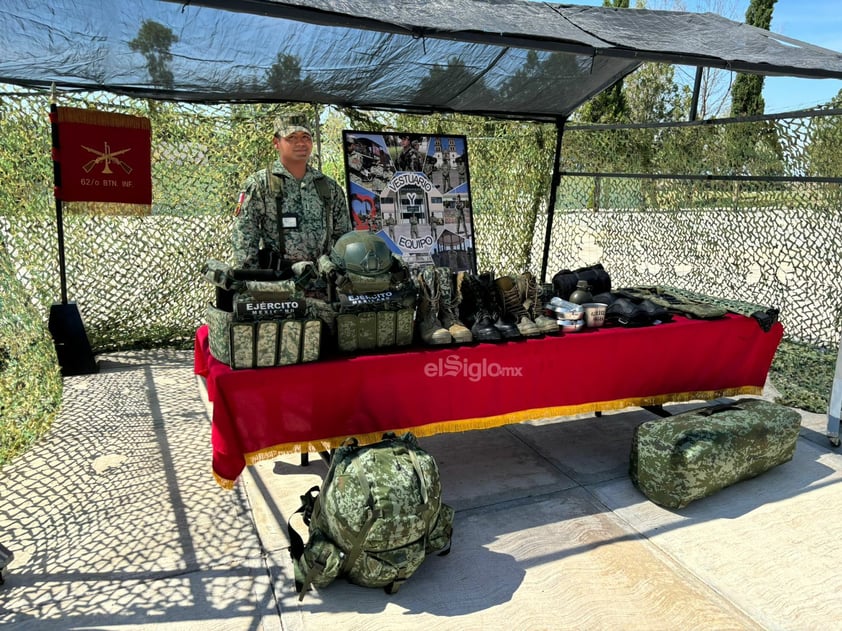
<point x="508" y="58"/>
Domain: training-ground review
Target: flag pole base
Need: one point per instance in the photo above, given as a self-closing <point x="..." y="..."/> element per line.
<point x="72" y="346"/>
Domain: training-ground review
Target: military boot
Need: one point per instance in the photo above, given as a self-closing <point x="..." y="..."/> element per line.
<point x="533" y="302"/>
<point x="449" y="307"/>
<point x="504" y="322"/>
<point x="512" y="304"/>
<point x="474" y="310"/>
<point x="429" y="325"/>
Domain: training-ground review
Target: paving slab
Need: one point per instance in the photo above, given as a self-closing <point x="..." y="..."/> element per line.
<point x="114" y="517"/>
<point x="116" y="522"/>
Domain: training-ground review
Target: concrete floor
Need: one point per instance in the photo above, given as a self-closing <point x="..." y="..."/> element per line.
<point x="116" y="523"/>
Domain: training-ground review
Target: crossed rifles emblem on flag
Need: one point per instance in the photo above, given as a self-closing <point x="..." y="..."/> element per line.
<point x="106" y="158"/>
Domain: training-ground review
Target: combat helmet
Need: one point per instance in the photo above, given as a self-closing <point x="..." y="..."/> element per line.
<point x="361" y="252"/>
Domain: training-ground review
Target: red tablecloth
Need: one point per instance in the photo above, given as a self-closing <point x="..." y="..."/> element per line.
<point x="265" y="412"/>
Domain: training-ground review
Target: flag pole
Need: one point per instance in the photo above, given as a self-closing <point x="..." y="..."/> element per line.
<point x="73" y="349"/>
<point x="57" y="188"/>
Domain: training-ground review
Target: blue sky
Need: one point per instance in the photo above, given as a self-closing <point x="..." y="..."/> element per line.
<point x="817" y="22"/>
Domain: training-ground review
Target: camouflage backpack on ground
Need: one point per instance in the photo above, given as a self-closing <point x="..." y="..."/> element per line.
<point x="376" y="517"/>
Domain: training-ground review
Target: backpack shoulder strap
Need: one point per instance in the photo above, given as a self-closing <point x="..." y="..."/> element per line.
<point x="324" y="190"/>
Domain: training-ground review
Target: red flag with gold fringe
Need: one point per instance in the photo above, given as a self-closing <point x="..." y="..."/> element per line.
<point x="102" y="157"/>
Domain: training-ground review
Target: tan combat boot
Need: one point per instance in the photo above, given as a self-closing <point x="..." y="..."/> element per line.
<point x="429" y="325"/>
<point x="513" y="305"/>
<point x="528" y="287"/>
<point x="449" y="307"/>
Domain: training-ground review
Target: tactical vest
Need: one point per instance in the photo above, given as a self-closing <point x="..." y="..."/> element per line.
<point x="374" y="308"/>
<point x="275" y="184"/>
<point x="260" y="323"/>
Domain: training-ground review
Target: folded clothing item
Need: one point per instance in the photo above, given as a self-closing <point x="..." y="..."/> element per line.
<point x="625" y="312"/>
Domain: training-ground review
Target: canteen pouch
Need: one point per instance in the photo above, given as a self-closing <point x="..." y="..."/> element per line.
<point x="219" y="322"/>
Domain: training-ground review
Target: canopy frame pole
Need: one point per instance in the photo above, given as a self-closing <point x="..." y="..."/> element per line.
<point x="697" y="86"/>
<point x="556" y="181"/>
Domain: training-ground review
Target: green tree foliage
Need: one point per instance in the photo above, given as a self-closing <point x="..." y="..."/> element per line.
<point x="747" y="93"/>
<point x="154" y="41"/>
<point x="825" y="159"/>
<point x="752" y="148"/>
<point x="25" y="164"/>
<point x="609" y="106"/>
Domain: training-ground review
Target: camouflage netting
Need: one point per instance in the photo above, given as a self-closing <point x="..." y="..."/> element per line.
<point x="30" y="380"/>
<point x="664" y="218"/>
<point x="768" y="242"/>
<point x="646" y="202"/>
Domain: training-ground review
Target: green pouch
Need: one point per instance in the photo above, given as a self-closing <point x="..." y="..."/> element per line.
<point x="346" y="326"/>
<point x="386" y="328"/>
<point x="312" y="340"/>
<point x="219" y="323"/>
<point x="404" y="327"/>
<point x="266" y="347"/>
<point x="367" y="330"/>
<point x="290" y="349"/>
<point x="242" y="345"/>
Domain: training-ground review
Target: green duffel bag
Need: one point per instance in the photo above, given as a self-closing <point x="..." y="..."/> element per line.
<point x="679" y="459"/>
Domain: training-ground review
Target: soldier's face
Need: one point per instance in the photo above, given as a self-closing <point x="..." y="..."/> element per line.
<point x="295" y="147"/>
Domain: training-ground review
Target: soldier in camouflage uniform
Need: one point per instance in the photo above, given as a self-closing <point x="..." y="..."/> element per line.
<point x="460" y="216"/>
<point x="314" y="211"/>
<point x="410" y="158"/>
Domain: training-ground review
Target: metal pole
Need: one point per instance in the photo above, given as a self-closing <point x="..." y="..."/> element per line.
<point x="697" y="86"/>
<point x="556" y="180"/>
<point x="57" y="187"/>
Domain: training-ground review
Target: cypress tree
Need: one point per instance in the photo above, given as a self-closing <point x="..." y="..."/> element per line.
<point x="747" y="93"/>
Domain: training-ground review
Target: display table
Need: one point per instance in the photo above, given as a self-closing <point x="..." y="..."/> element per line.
<point x="265" y="412"/>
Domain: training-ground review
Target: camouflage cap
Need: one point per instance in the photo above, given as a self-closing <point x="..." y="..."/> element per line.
<point x="286" y="126"/>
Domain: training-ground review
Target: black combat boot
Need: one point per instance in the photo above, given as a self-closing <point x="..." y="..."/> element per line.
<point x="474" y="310"/>
<point x="504" y="322"/>
<point x="509" y="296"/>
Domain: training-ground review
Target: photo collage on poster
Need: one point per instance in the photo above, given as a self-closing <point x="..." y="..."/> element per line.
<point x="413" y="191"/>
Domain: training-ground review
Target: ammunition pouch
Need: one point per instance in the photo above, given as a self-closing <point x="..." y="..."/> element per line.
<point x="377" y="319"/>
<point x="270" y="323"/>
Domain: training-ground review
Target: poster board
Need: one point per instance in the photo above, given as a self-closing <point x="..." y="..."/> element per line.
<point x="413" y="191"/>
